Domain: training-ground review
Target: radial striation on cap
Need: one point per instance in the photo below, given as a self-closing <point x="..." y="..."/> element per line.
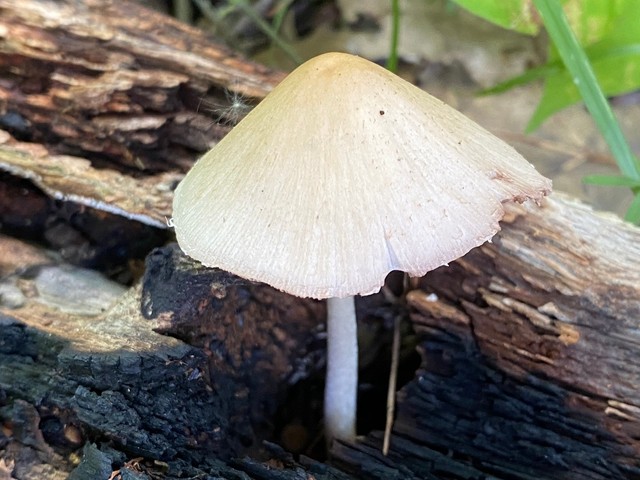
<point x="343" y="173"/>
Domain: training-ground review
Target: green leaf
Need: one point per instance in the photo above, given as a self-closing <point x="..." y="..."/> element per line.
<point x="584" y="78"/>
<point x="557" y="94"/>
<point x="518" y="15"/>
<point x="615" y="55"/>
<point x="633" y="212"/>
<point x="591" y="20"/>
<point x="616" y="72"/>
<point x="612" y="181"/>
<point x="527" y="77"/>
<point x="610" y="31"/>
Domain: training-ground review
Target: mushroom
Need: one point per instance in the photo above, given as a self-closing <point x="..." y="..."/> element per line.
<point x="343" y="173"/>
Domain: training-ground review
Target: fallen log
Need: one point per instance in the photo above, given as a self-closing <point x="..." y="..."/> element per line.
<point x="74" y="373"/>
<point x="103" y="106"/>
<point x="116" y="82"/>
<point x="529" y="348"/>
<point x="527" y="368"/>
<point x="527" y="344"/>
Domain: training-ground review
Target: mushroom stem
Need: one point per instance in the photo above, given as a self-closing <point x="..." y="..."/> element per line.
<point x="340" y="391"/>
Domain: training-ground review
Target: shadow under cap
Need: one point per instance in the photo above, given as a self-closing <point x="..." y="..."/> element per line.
<point x="343" y="173"/>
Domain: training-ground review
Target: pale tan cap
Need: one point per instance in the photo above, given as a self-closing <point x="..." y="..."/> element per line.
<point x="343" y="173"/>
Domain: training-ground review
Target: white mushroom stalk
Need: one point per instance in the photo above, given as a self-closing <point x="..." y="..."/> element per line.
<point x="343" y="173"/>
<point x="341" y="387"/>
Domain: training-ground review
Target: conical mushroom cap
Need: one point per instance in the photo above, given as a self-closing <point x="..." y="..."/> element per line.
<point x="341" y="174"/>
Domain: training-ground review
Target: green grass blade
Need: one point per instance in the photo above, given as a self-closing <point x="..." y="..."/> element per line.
<point x="578" y="65"/>
<point x="183" y="11"/>
<point x="267" y="29"/>
<point x="611" y="181"/>
<point x="530" y="75"/>
<point x="598" y="54"/>
<point x="392" y="61"/>
<point x="633" y="213"/>
<point x="282" y="8"/>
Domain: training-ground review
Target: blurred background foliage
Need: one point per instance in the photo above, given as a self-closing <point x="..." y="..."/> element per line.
<point x="594" y="50"/>
<point x="609" y="32"/>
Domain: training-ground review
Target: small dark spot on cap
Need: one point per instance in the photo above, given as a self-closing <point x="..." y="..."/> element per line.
<point x="381" y="112"/>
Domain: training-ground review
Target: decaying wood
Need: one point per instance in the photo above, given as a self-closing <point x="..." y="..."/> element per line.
<point x="529" y="348"/>
<point x="103" y="106"/>
<point x="111" y="80"/>
<point x="529" y="344"/>
<point x="528" y="366"/>
<point x="69" y="378"/>
<point x="145" y="199"/>
<point x="82" y="236"/>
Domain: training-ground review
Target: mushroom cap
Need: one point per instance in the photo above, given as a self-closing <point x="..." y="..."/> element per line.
<point x="343" y="173"/>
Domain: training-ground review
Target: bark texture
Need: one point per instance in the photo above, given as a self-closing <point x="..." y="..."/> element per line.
<point x="103" y="106"/>
<point x="529" y="355"/>
<point x="528" y="345"/>
<point x="117" y="82"/>
<point x="528" y="364"/>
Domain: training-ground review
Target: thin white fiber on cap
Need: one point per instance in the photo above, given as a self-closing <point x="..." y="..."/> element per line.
<point x="341" y="174"/>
